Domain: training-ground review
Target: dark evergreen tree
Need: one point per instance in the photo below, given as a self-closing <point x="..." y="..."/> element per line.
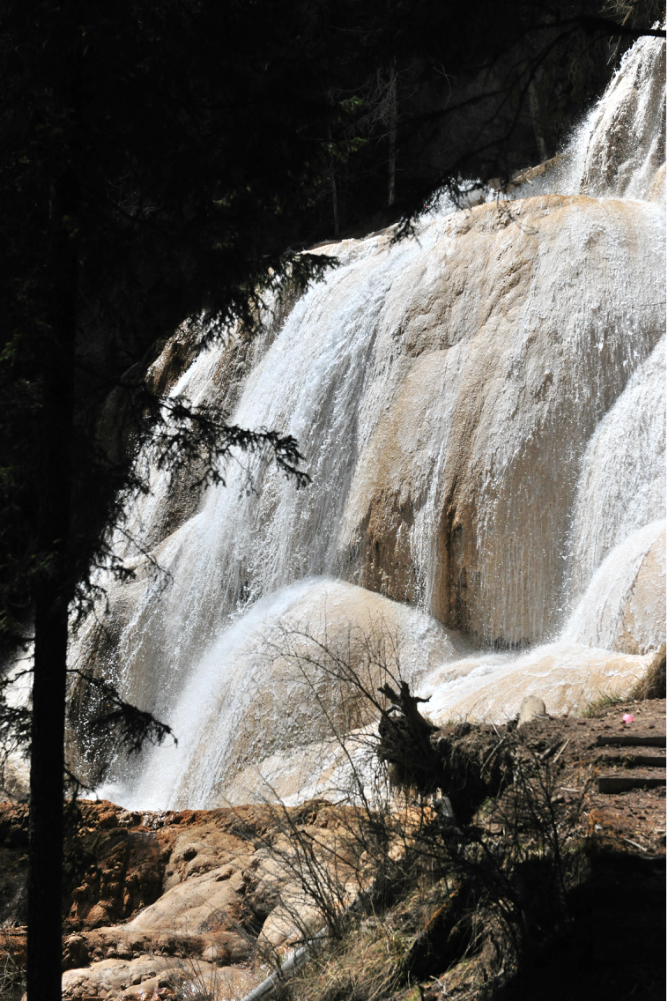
<point x="153" y="156"/>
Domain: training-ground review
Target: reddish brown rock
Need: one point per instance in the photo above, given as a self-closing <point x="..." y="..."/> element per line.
<point x="157" y="900"/>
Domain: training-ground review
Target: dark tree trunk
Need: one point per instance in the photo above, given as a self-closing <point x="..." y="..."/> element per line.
<point x="392" y="122"/>
<point x="45" y="893"/>
<point x="332" y="174"/>
<point x="534" y="107"/>
<point x="46" y="799"/>
<point x="334" y="189"/>
<point x="334" y="195"/>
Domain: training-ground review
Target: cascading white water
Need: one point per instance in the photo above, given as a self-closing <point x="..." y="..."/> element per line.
<point x="630" y="441"/>
<point x="621" y="146"/>
<point x="482" y="411"/>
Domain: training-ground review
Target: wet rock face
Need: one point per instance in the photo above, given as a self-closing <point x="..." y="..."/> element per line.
<point x="637" y="628"/>
<point x="645" y="603"/>
<point x="463" y="492"/>
<point x="283" y="663"/>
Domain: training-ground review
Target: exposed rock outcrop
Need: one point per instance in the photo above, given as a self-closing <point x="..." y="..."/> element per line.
<point x="155" y="900"/>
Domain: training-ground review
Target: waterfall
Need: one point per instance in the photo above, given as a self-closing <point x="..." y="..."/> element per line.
<point x="620" y="147"/>
<point x="481" y="408"/>
<point x="630" y="441"/>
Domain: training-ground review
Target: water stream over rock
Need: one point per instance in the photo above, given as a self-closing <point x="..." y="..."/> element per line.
<point x="481" y="407"/>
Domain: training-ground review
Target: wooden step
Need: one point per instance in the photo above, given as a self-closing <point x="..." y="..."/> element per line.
<point x="631" y="740"/>
<point x="631" y="759"/>
<point x="619" y="783"/>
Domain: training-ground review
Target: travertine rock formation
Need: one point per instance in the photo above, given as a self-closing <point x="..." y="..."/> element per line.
<point x="508" y="342"/>
<point x="481" y="408"/>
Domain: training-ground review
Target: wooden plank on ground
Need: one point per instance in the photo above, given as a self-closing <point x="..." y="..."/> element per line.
<point x="619" y="784"/>
<point x="632" y="740"/>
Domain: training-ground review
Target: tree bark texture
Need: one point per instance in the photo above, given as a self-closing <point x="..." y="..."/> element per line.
<point x="534" y="106"/>
<point x="392" y="122"/>
<point x="334" y="187"/>
<point x="46" y="799"/>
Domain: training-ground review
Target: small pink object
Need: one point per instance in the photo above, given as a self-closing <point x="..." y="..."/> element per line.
<point x="628" y="718"/>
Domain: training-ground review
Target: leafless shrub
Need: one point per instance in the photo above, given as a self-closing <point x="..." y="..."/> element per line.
<point x="488" y="879"/>
<point x="12" y="973"/>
